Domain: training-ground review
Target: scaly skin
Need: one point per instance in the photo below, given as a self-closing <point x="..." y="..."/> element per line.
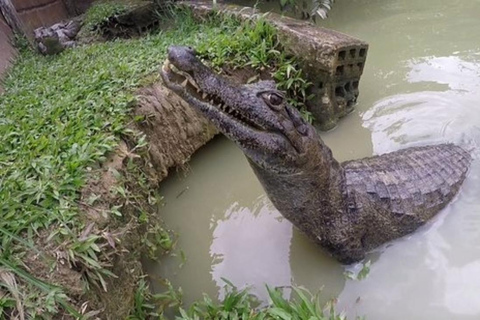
<point x="347" y="208"/>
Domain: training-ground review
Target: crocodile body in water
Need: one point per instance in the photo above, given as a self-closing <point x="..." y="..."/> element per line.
<point x="348" y="208"/>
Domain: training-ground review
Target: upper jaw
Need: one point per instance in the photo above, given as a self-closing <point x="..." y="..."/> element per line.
<point x="202" y="83"/>
<point x="237" y="124"/>
<point x="184" y="84"/>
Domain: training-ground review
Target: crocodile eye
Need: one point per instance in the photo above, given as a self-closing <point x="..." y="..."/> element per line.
<point x="274" y="99"/>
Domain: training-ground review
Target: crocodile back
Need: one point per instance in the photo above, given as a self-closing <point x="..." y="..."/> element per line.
<point x="417" y="181"/>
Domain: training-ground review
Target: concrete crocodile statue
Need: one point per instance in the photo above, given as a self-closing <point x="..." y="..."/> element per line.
<point x="347" y="208"/>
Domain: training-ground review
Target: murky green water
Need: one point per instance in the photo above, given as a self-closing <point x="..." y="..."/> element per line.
<point x="421" y="85"/>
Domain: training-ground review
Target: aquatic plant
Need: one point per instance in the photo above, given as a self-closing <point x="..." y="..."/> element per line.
<point x="308" y="8"/>
<point x="239" y="304"/>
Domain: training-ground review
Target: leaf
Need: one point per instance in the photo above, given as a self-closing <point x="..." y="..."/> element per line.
<point x="280" y="313"/>
<point x="365" y="271"/>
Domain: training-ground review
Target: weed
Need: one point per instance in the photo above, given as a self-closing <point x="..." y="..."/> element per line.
<point x="360" y="272"/>
<point x="143" y="306"/>
<point x="241" y="305"/>
<point x="60" y="116"/>
<point x="256" y="44"/>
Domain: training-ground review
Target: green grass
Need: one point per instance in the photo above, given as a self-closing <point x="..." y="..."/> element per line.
<point x="236" y="305"/>
<point x="59" y="119"/>
<point x="101" y="11"/>
<point x="241" y="305"/>
<point x="255" y="44"/>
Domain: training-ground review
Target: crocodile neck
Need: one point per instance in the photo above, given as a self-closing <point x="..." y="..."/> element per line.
<point x="312" y="199"/>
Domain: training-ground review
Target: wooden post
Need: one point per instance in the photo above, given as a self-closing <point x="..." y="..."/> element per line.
<point x="11" y="16"/>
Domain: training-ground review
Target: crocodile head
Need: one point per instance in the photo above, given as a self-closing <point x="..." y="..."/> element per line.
<point x="272" y="134"/>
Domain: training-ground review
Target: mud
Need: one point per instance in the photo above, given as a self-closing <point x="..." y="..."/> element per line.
<point x="174" y="130"/>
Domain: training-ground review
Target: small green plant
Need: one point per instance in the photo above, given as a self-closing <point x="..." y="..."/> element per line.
<point x="236" y="305"/>
<point x="59" y="118"/>
<point x="153" y="306"/>
<point x="361" y="274"/>
<point x="308" y="8"/>
<point x="239" y="304"/>
<point x="256" y="45"/>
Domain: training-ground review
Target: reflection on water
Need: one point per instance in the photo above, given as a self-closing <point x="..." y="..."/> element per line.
<point x="431" y="116"/>
<point x="432" y="274"/>
<point x="421" y="85"/>
<point x="229" y="229"/>
<point x="252" y="246"/>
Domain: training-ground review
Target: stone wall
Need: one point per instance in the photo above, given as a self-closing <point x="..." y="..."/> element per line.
<point x="7" y="52"/>
<point x="40" y="13"/>
<point x="33" y="14"/>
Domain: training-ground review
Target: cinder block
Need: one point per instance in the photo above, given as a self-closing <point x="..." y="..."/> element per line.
<point x="21" y="5"/>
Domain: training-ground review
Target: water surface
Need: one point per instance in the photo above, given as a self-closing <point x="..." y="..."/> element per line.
<point x="421" y="85"/>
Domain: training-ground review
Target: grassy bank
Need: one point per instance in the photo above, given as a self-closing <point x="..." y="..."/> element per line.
<point x="61" y="118"/>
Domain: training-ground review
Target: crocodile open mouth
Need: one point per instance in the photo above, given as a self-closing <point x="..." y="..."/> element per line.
<point x="190" y="87"/>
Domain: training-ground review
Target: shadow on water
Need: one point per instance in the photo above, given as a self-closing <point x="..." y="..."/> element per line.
<point x="421" y="85"/>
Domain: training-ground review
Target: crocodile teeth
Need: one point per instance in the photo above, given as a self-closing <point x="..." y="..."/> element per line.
<point x="193" y="83"/>
<point x="166" y="66"/>
<point x="204" y="96"/>
<point x="184" y="83"/>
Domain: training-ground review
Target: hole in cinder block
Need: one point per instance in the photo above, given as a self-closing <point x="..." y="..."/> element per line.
<point x="339" y="70"/>
<point x="355" y="84"/>
<point x="320" y="85"/>
<point x="348" y="86"/>
<point x="353" y="52"/>
<point x="362" y="52"/>
<point x="360" y="65"/>
<point x="350" y="103"/>
<point x="340" y="92"/>
<point x="342" y="55"/>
